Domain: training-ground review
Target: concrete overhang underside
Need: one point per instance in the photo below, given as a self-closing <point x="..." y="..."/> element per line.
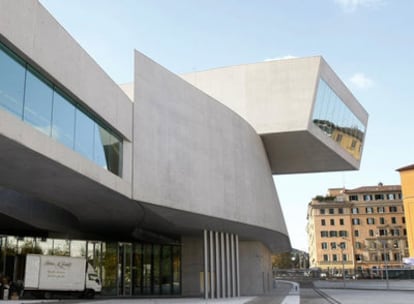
<point x="39" y="196"/>
<point x="302" y="152"/>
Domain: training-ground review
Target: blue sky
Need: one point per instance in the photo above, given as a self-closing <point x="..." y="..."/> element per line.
<point x="368" y="43"/>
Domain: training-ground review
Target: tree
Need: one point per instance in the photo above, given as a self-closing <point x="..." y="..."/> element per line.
<point x="282" y="260"/>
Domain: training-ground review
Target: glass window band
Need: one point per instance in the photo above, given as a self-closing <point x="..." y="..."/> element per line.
<point x="337" y="121"/>
<point x="27" y="94"/>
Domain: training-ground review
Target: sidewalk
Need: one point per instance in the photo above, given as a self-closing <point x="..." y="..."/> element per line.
<point x="285" y="292"/>
<point x="401" y="285"/>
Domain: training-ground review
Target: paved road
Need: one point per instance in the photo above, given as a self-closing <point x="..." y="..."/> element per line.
<point x="277" y="296"/>
<point x="318" y="292"/>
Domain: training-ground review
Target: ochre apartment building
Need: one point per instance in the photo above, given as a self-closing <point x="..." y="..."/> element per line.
<point x="407" y="183"/>
<point x="359" y="230"/>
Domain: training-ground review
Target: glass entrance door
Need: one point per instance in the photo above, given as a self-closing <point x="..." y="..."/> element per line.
<point x="125" y="269"/>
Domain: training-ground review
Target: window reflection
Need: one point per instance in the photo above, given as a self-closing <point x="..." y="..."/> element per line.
<point x="12" y="74"/>
<point x="151" y="269"/>
<point x="63" y="128"/>
<point x="337" y="121"/>
<point x="38" y="102"/>
<point x="28" y="95"/>
<point x="84" y="134"/>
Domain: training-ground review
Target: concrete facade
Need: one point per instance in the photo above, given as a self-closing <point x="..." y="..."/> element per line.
<point x="278" y="98"/>
<point x="255" y="268"/>
<point x="189" y="163"/>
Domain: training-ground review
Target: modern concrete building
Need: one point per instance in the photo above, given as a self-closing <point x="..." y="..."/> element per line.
<point x="166" y="188"/>
<point x="357" y="230"/>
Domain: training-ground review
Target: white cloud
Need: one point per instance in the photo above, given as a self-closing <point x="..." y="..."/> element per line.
<point x="361" y="81"/>
<point x="352" y="5"/>
<point x="280" y="58"/>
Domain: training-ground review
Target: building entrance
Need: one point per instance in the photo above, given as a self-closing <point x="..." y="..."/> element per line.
<point x="125" y="269"/>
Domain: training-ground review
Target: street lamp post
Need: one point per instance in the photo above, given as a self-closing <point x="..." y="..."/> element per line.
<point x="386" y="264"/>
<point x="342" y="245"/>
<point x="384" y="242"/>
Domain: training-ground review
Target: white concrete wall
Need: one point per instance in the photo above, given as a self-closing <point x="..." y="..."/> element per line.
<point x="191" y="266"/>
<point x="255" y="268"/>
<point x="192" y="153"/>
<point x="273" y="96"/>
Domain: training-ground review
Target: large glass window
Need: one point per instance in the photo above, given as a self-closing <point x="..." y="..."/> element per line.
<point x="25" y="93"/>
<point x="337" y="121"/>
<point x="12" y="77"/>
<point x="176" y="255"/>
<point x="63" y="128"/>
<point x="107" y="149"/>
<point x="38" y="102"/>
<point x="84" y="134"/>
<point x="166" y="273"/>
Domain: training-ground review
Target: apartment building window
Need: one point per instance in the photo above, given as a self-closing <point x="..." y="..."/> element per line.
<point x="343" y="233"/>
<point x="371" y="232"/>
<point x="374" y="257"/>
<point x="356" y="233"/>
<point x="355" y="210"/>
<point x="353" y="197"/>
<point x="403" y="219"/>
<point x="370" y="221"/>
<point x="342" y="245"/>
<point x="332" y="222"/>
<point x="379" y="197"/>
<point x="367" y="197"/>
<point x="341" y="222"/>
<point x="382" y="221"/>
<point x="381" y="209"/>
<point x="395" y="232"/>
<point x="331" y="211"/>
<point x="393" y="208"/>
<point x="358" y="245"/>
<point x="323" y="222"/>
<point x="386" y="256"/>
<point x="324" y="233"/>
<point x="390" y="196"/>
<point x="339" y="138"/>
<point x="369" y="210"/>
<point x="394" y="220"/>
<point x="356" y="221"/>
<point x="372" y="245"/>
<point x="358" y="257"/>
<point x="395" y="245"/>
<point x="397" y="257"/>
<point x="405" y="231"/>
<point x="324" y="245"/>
<point x="326" y="258"/>
<point x="344" y="257"/>
<point x="383" y="232"/>
<point x="333" y="245"/>
<point x="321" y="211"/>
<point x="334" y="258"/>
<point x="333" y="233"/>
<point x="341" y="210"/>
<point x="399" y="196"/>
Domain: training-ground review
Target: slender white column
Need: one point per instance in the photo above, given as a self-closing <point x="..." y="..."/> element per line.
<point x="223" y="265"/>
<point x="233" y="266"/>
<point x="228" y="285"/>
<point x="216" y="238"/>
<point x="237" y="267"/>
<point x="205" y="265"/>
<point x="211" y="265"/>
